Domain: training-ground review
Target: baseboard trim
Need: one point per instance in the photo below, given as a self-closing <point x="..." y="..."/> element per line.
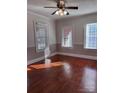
<point x="61" y="53"/>
<point x="39" y="59"/>
<point x="78" y="55"/>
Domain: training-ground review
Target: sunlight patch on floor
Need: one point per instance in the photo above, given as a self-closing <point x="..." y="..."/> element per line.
<point x="48" y="65"/>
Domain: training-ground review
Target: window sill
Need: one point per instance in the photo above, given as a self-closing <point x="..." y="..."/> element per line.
<point x="66" y="47"/>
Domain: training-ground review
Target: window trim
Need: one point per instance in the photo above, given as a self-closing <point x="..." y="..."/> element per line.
<point x="45" y="26"/>
<point x="62" y="30"/>
<point x="85" y="27"/>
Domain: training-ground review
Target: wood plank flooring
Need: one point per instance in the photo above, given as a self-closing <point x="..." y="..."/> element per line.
<point x="64" y="75"/>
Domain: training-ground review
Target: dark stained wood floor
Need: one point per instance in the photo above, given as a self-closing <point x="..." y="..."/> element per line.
<point x="65" y="75"/>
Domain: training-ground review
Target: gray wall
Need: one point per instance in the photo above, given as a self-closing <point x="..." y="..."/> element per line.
<point x="31" y="51"/>
<point x="55" y="28"/>
<point x="78" y="25"/>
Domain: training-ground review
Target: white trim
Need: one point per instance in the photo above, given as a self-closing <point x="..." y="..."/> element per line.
<point x="86" y="33"/>
<point x="78" y="55"/>
<point x="35" y="60"/>
<point x="53" y="54"/>
<point x="66" y="54"/>
<point x="39" y="59"/>
<point x="72" y="29"/>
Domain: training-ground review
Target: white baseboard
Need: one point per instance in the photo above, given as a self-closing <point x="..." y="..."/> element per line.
<point x="66" y="54"/>
<point x="78" y="55"/>
<point x="39" y="59"/>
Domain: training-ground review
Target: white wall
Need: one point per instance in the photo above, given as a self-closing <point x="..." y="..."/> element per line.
<point x="30" y="29"/>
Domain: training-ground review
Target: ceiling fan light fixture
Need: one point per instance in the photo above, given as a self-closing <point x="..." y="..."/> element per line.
<point x="61" y="12"/>
<point x="66" y="12"/>
<point x="57" y="12"/>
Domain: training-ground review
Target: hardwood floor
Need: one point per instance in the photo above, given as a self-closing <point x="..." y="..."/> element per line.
<point x="64" y="75"/>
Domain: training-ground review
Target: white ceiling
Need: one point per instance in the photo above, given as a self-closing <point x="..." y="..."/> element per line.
<point x="85" y="7"/>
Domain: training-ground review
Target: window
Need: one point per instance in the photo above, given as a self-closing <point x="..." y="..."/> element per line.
<point x="40" y="36"/>
<point x="41" y="39"/>
<point x="67" y="37"/>
<point x="91" y="36"/>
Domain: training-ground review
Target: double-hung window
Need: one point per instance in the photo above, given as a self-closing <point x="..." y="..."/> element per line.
<point x="91" y="36"/>
<point x="40" y="36"/>
<point x="67" y="37"/>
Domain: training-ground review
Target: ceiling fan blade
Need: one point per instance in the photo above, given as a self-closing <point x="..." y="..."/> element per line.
<point x="50" y="7"/>
<point x="71" y="7"/>
<point x="53" y="12"/>
<point x="67" y="13"/>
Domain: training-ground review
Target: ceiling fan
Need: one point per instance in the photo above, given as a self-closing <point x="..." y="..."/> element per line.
<point x="61" y="8"/>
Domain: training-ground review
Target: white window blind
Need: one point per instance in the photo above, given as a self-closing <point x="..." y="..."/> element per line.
<point x="67" y="37"/>
<point x="91" y="36"/>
